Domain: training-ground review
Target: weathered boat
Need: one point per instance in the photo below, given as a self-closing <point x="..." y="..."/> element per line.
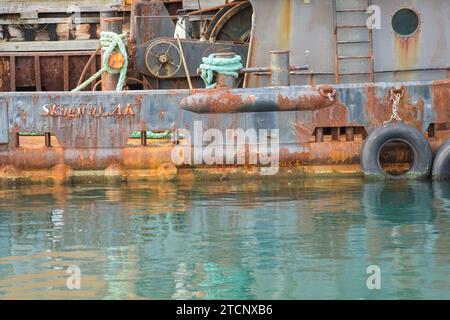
<point x="351" y="87"/>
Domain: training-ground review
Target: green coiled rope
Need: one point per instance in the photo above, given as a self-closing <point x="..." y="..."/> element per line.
<point x="226" y="66"/>
<point x="153" y="135"/>
<point x="110" y="42"/>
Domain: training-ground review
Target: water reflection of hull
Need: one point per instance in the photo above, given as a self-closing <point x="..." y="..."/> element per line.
<point x="220" y="239"/>
<point x="397" y="199"/>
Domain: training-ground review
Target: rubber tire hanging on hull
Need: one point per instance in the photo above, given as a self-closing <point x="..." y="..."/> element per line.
<point x="441" y="165"/>
<point x="380" y="137"/>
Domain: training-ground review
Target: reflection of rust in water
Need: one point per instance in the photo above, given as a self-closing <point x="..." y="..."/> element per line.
<point x="36" y="285"/>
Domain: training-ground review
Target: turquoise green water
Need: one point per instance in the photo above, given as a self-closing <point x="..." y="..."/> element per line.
<point x="312" y="239"/>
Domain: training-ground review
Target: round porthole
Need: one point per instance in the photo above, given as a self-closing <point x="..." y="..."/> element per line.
<point x="405" y="22"/>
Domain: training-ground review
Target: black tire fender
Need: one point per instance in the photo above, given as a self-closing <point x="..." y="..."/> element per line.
<point x="441" y="165"/>
<point x="378" y="138"/>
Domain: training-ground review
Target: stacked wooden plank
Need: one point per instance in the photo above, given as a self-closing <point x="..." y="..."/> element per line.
<point x="26" y="25"/>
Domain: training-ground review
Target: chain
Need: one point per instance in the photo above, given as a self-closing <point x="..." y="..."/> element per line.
<point x="395" y="98"/>
<point x="330" y="96"/>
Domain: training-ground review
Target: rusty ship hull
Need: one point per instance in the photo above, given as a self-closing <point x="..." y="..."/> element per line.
<point x="86" y="135"/>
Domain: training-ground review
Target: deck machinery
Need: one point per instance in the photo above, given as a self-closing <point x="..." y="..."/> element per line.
<point x="354" y="87"/>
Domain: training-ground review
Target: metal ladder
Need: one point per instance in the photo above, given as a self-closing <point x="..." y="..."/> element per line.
<point x="353" y="41"/>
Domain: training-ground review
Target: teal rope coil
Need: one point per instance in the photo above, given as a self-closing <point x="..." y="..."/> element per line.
<point x="152" y="135"/>
<point x="110" y="42"/>
<point x="226" y="66"/>
<point x="31" y="134"/>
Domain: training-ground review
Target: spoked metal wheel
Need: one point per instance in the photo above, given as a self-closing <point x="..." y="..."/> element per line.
<point x="163" y="59"/>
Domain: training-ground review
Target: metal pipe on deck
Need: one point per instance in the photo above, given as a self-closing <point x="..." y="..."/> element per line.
<point x="267" y="70"/>
<point x="279" y="66"/>
<point x="224" y="80"/>
<point x="111" y="24"/>
<point x="284" y="98"/>
<point x="280" y="97"/>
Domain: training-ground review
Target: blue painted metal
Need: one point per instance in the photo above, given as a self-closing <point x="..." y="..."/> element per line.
<point x="258" y="100"/>
<point x="4" y="128"/>
<point x="160" y="110"/>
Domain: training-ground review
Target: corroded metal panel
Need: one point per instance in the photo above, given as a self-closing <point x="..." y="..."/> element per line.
<point x="201" y="4"/>
<point x="44" y="71"/>
<point x="150" y="20"/>
<point x="428" y="48"/>
<point x="4" y="128"/>
<point x="194" y="51"/>
<point x="43" y="6"/>
<point x="306" y="29"/>
<point x="105" y="119"/>
<point x="93" y="128"/>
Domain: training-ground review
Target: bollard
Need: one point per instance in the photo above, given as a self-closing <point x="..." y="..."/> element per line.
<point x="225" y="80"/>
<point x="280" y="68"/>
<point x="112" y="24"/>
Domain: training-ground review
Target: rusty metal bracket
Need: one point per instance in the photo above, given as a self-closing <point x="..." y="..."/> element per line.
<point x="395" y="91"/>
<point x="328" y="92"/>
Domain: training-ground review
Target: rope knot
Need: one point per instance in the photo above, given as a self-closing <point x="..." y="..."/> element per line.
<point x="110" y="42"/>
